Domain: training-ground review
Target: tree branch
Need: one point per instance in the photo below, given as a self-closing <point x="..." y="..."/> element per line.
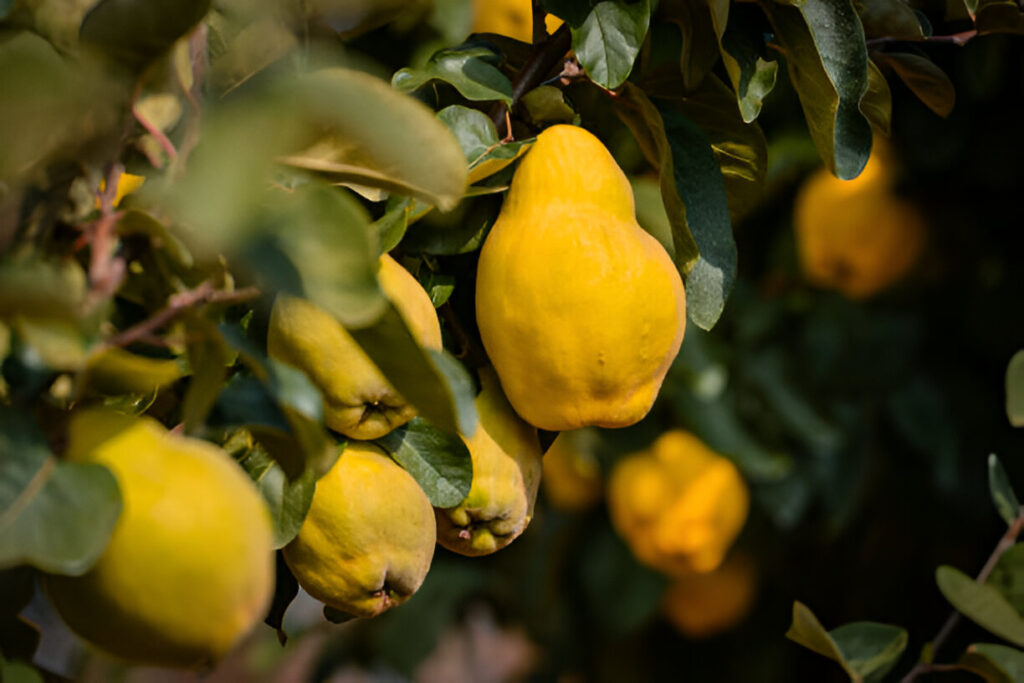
<point x="543" y="58"/>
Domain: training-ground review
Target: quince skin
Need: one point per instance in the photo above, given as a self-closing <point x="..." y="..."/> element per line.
<point x="506" y="474"/>
<point x="580" y="310"/>
<point x="359" y="401"/>
<point x="368" y="539"/>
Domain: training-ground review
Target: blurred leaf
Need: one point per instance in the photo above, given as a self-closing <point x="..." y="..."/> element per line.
<point x="930" y="83"/>
<point x="609" y="39"/>
<point x="546" y="105"/>
<point x="454" y="237"/>
<point x="112" y="370"/>
<point x="249" y="50"/>
<point x="921" y="413"/>
<point x="18" y="672"/>
<point x="694" y="195"/>
<point x="336" y="616"/>
<point x="889" y="19"/>
<point x="136" y="222"/>
<point x="438" y="461"/>
<point x="478" y="138"/>
<point x="981" y="603"/>
<point x="5" y="8"/>
<point x="286" y="588"/>
<point x="866" y="650"/>
<point x="650" y="211"/>
<point x="995" y="663"/>
<point x="208" y="358"/>
<point x="390" y="228"/>
<point x="828" y="64"/>
<point x="54" y="515"/>
<point x="287" y="500"/>
<point x="41" y="288"/>
<point x="999" y="16"/>
<point x="432" y="381"/>
<point x="136" y="31"/>
<point x="1002" y="491"/>
<point x="697" y="23"/>
<point x="60" y="344"/>
<point x="470" y="69"/>
<point x="752" y="76"/>
<point x="1015" y="390"/>
<point x="1008" y="576"/>
<point x="876" y="105"/>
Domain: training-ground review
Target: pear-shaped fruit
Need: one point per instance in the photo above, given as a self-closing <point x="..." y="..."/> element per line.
<point x="506" y="473"/>
<point x="580" y="310"/>
<point x="572" y="475"/>
<point x="368" y="538"/>
<point x="189" y="568"/>
<point x="359" y="401"/>
<point x="705" y="605"/>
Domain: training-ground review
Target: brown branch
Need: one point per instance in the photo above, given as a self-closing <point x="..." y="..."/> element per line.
<point x="1005" y="543"/>
<point x="959" y="39"/>
<point x="543" y="58"/>
<point x="165" y="143"/>
<point x="105" y="270"/>
<point x="176" y="305"/>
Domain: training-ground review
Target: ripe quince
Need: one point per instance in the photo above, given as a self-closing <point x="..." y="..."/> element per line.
<point x="705" y="605"/>
<point x="512" y="18"/>
<point x="368" y="539"/>
<point x="359" y="401"/>
<point x="678" y="505"/>
<point x="189" y="568"/>
<point x="580" y="310"/>
<point x="572" y="475"/>
<point x="857" y="236"/>
<point x="506" y="474"/>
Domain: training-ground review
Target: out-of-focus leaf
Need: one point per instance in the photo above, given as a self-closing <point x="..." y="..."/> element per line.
<point x="55" y="516"/>
<point x="694" y="195"/>
<point x="470" y="69"/>
<point x="438" y="461"/>
<point x="1008" y="576"/>
<point x="42" y="289"/>
<point x="995" y="663"/>
<point x="5" y="8"/>
<point x="208" y="358"/>
<point x="136" y="222"/>
<point x="981" y="603"/>
<point x="1015" y="390"/>
<point x="930" y="83"/>
<point x="889" y="19"/>
<point x="921" y="413"/>
<point x="485" y="153"/>
<point x="136" y="31"/>
<point x="112" y="370"/>
<point x="286" y="588"/>
<point x="546" y="105"/>
<point x="61" y="344"/>
<point x="251" y="49"/>
<point x="15" y="671"/>
<point x="828" y="64"/>
<point x="699" y="31"/>
<point x="609" y="39"/>
<point x="1002" y="491"/>
<point x="457" y="237"/>
<point x="650" y="211"/>
<point x="999" y="16"/>
<point x="876" y="105"/>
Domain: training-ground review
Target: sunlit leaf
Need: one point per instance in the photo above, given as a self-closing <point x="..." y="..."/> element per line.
<point x="438" y="461"/>
<point x="609" y="39"/>
<point x="470" y="69"/>
<point x="1002" y="491"/>
<point x="752" y="76"/>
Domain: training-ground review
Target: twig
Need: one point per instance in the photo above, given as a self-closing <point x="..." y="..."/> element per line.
<point x="955" y="39"/>
<point x="543" y="58"/>
<point x="105" y="270"/>
<point x="1005" y="543"/>
<point x="165" y="143"/>
<point x="176" y="305"/>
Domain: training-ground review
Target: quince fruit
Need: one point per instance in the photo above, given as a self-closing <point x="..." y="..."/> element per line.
<point x="857" y="236"/>
<point x="368" y="539"/>
<point x="705" y="605"/>
<point x="572" y="475"/>
<point x="512" y="18"/>
<point x="580" y="310"/>
<point x="678" y="505"/>
<point x="189" y="568"/>
<point x="359" y="401"/>
<point x="506" y="474"/>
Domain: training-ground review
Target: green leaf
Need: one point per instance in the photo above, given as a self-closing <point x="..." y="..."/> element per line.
<point x="208" y="357"/>
<point x="546" y="105"/>
<point x="876" y="105"/>
<point x="981" y="603"/>
<point x="286" y="588"/>
<point x="470" y="69"/>
<point x="995" y="663"/>
<point x="866" y="650"/>
<point x="440" y="287"/>
<point x="114" y="371"/>
<point x="18" y="672"/>
<point x="999" y="16"/>
<point x="752" y="76"/>
<point x="56" y="516"/>
<point x="438" y="461"/>
<point x="42" y="288"/>
<point x="1002" y="491"/>
<point x="5" y="8"/>
<point x="336" y="616"/>
<point x="136" y="31"/>
<point x="1015" y="389"/>
<point x="827" y="60"/>
<point x="1008" y="576"/>
<point x="930" y="83"/>
<point x="698" y="24"/>
<point x="485" y="153"/>
<point x="694" y="195"/>
<point x="609" y="39"/>
<point x="889" y="19"/>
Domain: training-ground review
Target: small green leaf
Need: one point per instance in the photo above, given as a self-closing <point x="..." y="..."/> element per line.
<point x="56" y="516"/>
<point x="981" y="603"/>
<point x="438" y="461"/>
<point x="827" y="59"/>
<point x="136" y="31"/>
<point x="752" y="76"/>
<point x="609" y="40"/>
<point x="995" y="663"/>
<point x="546" y="105"/>
<point x="470" y="69"/>
<point x="806" y="630"/>
<point x="1015" y="389"/>
<point x="930" y="83"/>
<point x="1002" y="491"/>
<point x="440" y="287"/>
<point x="1008" y="576"/>
<point x="485" y="153"/>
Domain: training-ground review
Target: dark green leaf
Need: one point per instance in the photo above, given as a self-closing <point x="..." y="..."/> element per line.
<point x="136" y="222"/>
<point x="930" y="83"/>
<point x="1015" y="390"/>
<point x="876" y="105"/>
<point x="995" y="663"/>
<point x="694" y="195"/>
<point x="476" y="134"/>
<point x="438" y="461"/>
<point x="336" y="616"/>
<point x="136" y="31"/>
<point x="18" y="672"/>
<point x="999" y="16"/>
<point x="889" y="19"/>
<point x="981" y="603"/>
<point x="286" y="588"/>
<point x="440" y="287"/>
<point x="208" y="358"/>
<point x="752" y="76"/>
<point x="699" y="29"/>
<point x="5" y="8"/>
<point x="1002" y="491"/>
<point x="390" y="228"/>
<point x="55" y="516"/>
<point x="470" y="69"/>
<point x="827" y="60"/>
<point x="870" y="649"/>
<point x="609" y="39"/>
<point x="1008" y="576"/>
<point x="546" y="105"/>
<point x="288" y="500"/>
<point x="806" y="630"/>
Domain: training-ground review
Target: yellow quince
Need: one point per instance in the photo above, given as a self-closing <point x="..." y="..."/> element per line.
<point x="189" y="568"/>
<point x="580" y="310"/>
<point x="368" y="539"/>
<point x="359" y="401"/>
<point x="506" y="473"/>
<point x="705" y="605"/>
<point x="678" y="505"/>
<point x="572" y="475"/>
<point x="512" y="18"/>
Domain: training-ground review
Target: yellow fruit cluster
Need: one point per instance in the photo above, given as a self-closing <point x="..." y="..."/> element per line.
<point x="857" y="236"/>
